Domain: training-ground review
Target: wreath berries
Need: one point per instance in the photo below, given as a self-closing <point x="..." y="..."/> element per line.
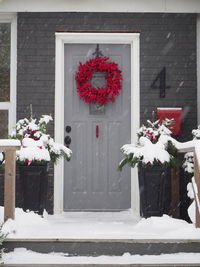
<point x="100" y="95"/>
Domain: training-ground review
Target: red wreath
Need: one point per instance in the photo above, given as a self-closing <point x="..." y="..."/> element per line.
<point x="102" y="95"/>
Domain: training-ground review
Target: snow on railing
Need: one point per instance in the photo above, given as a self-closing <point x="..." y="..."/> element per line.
<point x="9" y="147"/>
<point x="194" y="146"/>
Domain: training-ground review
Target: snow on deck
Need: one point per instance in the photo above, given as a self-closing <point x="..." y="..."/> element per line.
<point x="96" y="225"/>
<point x="23" y="256"/>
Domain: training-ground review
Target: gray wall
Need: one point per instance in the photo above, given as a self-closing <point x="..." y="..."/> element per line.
<point x="167" y="40"/>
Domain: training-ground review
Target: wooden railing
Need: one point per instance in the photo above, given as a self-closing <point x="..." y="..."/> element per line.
<point x="194" y="146"/>
<point x="9" y="147"/>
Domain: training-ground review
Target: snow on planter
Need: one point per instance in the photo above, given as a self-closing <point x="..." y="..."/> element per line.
<point x="32" y="150"/>
<point x="37" y="145"/>
<point x="154" y="147"/>
<point x="147" y="152"/>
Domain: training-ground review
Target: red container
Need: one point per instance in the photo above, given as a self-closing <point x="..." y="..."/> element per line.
<point x="171" y="113"/>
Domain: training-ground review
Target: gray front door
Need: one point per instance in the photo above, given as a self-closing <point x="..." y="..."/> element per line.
<point x="92" y="181"/>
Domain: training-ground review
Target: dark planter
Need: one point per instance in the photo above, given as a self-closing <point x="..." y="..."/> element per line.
<point x="34" y="182"/>
<point x="155" y="190"/>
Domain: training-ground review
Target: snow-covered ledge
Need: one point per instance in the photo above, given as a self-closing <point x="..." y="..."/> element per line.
<point x="9" y="143"/>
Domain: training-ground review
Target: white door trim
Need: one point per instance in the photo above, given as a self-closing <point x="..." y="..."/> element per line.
<point x="105" y="38"/>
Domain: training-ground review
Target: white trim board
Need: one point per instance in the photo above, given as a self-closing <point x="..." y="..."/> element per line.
<point x="11" y="105"/>
<point x="182" y="6"/>
<point x="105" y="38"/>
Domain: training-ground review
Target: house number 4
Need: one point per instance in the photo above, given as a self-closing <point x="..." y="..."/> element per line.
<point x="160" y="82"/>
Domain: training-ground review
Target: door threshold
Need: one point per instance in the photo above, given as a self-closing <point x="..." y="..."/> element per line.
<point x="103" y="215"/>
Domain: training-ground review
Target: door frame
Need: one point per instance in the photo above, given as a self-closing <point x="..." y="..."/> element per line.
<point x="63" y="38"/>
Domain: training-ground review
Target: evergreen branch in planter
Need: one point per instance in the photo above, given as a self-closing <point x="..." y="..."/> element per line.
<point x="2" y="238"/>
<point x="128" y="160"/>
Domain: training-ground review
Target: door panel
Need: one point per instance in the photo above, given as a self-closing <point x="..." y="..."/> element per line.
<point x="92" y="181"/>
<point x="114" y="134"/>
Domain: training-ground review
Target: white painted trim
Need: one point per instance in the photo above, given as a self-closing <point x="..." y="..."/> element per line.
<point x="5" y="105"/>
<point x="11" y="105"/>
<point x="106" y="38"/>
<point x="169" y="108"/>
<point x="13" y="75"/>
<point x="185" y="6"/>
<point x="135" y="119"/>
<point x="7" y="17"/>
<point x="59" y="124"/>
<point x="198" y="69"/>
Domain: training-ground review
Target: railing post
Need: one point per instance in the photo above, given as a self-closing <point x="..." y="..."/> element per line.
<point x="9" y="184"/>
<point x="9" y="147"/>
<point x="175" y="195"/>
<point x="197" y="181"/>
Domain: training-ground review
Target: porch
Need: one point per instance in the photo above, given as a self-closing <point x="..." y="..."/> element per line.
<point x="105" y="234"/>
<point x="99" y="237"/>
<point x="111" y="234"/>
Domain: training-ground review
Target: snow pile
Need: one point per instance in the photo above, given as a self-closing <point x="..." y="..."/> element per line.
<point x="105" y="225"/>
<point x="197" y="148"/>
<point x="45" y="119"/>
<point x="141" y="152"/>
<point x="37" y="145"/>
<point x="196" y="133"/>
<point x="155" y="129"/>
<point x="24" y="256"/>
<point x="24" y="222"/>
<point x="58" y="148"/>
<point x="147" y="152"/>
<point x="32" y="150"/>
<point x="192" y="211"/>
<point x="167" y="228"/>
<point x="1" y="157"/>
<point x="193" y="194"/>
<point x="190" y="191"/>
<point x="188" y="164"/>
<point x="154" y="146"/>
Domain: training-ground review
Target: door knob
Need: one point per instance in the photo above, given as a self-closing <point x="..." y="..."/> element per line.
<point x="67" y="140"/>
<point x="68" y="129"/>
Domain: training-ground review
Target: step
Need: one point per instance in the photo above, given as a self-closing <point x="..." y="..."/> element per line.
<point x="104" y="265"/>
<point x="24" y="258"/>
<point x="97" y="247"/>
